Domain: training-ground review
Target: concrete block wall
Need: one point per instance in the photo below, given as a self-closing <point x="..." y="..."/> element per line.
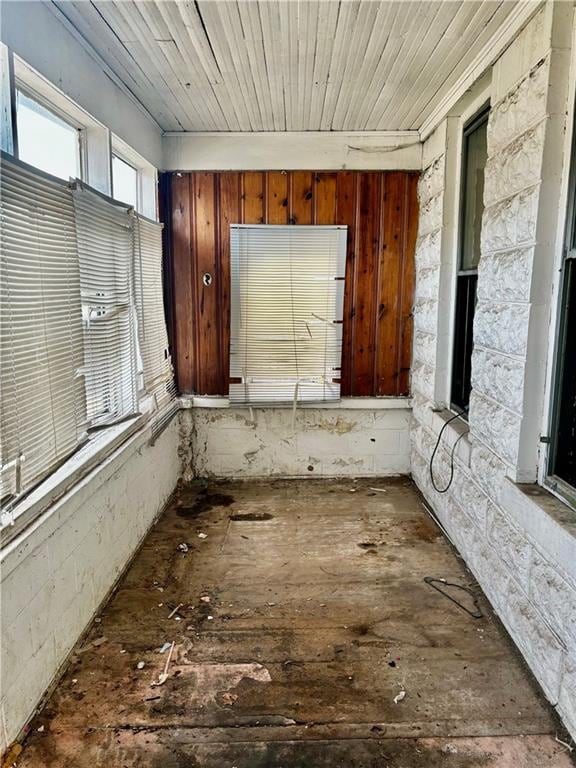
<point x="318" y="442"/>
<point x="55" y="575"/>
<point x="521" y="548"/>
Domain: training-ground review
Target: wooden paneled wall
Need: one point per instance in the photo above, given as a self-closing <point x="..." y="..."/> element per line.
<point x="380" y="209"/>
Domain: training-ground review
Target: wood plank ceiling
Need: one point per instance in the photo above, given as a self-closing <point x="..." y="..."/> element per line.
<point x="288" y="65"/>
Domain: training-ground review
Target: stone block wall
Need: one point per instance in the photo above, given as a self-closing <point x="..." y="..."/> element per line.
<point x="313" y="442"/>
<point x="523" y="557"/>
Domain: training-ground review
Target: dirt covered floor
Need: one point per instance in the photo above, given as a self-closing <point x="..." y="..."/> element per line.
<point x="288" y="624"/>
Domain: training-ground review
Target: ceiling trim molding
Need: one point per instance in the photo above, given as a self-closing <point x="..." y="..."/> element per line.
<point x="513" y="24"/>
<point x="292" y="150"/>
<point x="385" y="135"/>
<point x="93" y="53"/>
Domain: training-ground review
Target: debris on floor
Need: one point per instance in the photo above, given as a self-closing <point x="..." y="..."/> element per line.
<point x="202" y="535"/>
<point x="564" y="744"/>
<point x="450" y="749"/>
<point x="175" y="610"/>
<point x="183" y="547"/>
<point x="433" y="582"/>
<point x="262" y="684"/>
<point x="163" y="676"/>
<point x="11" y="757"/>
<point x="93" y="644"/>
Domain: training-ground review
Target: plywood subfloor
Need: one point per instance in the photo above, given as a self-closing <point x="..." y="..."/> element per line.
<point x="295" y="622"/>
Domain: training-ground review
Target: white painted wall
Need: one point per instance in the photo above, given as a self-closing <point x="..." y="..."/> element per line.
<point x="390" y="150"/>
<point x="54" y="576"/>
<point x="519" y="541"/>
<point x="33" y="32"/>
<point x="317" y="442"/>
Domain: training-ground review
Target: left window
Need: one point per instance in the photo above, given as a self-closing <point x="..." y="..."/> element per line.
<point x="124" y="182"/>
<point x="45" y="140"/>
<point x="83" y="342"/>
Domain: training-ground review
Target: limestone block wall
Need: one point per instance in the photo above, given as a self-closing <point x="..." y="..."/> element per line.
<point x="520" y="545"/>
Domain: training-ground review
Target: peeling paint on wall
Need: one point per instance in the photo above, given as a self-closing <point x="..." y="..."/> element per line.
<point x="264" y="442"/>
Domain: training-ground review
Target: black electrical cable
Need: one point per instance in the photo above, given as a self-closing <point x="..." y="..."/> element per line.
<point x="452" y="418"/>
<point x="476" y="613"/>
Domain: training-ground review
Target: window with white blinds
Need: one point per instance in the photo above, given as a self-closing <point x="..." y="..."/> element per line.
<point x="158" y="379"/>
<point x="105" y="250"/>
<point x="82" y="330"/>
<point x="43" y="414"/>
<point x="286" y="313"/>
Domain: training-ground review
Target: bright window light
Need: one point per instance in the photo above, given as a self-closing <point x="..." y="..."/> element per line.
<point x="45" y="140"/>
<point x="124" y="182"/>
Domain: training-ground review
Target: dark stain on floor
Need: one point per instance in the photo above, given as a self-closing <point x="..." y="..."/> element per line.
<point x="252" y="517"/>
<point x="284" y="646"/>
<point x="205" y="502"/>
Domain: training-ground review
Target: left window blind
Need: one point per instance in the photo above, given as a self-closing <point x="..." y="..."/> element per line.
<point x="43" y="409"/>
<point x="83" y="340"/>
<point x="104" y="234"/>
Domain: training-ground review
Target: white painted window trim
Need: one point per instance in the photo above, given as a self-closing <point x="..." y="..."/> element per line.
<point x="101" y="446"/>
<point x="147" y="203"/>
<point x="94" y="138"/>
<point x="468" y="106"/>
<point x="555" y="313"/>
<point x="86" y="458"/>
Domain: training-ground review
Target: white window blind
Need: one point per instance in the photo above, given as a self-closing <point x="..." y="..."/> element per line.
<point x="105" y="249"/>
<point x="43" y="415"/>
<point x="152" y="337"/>
<point x="286" y="313"/>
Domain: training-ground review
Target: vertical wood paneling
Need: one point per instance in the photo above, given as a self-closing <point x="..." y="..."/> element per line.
<point x="380" y="211"/>
<point x="367" y="254"/>
<point x="183" y="341"/>
<point x="301" y="195"/>
<point x="325" y="198"/>
<point x="207" y="261"/>
<point x="346" y="213"/>
<point x="252" y="197"/>
<point x="229" y="213"/>
<point x="389" y="283"/>
<point x="276" y="198"/>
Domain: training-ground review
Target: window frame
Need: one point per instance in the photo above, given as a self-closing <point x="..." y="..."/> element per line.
<point x="468" y="277"/>
<point x="146" y="177"/>
<point x="101" y="441"/>
<point x="61" y="115"/>
<point x="115" y="155"/>
<point x="567" y="267"/>
<point x="95" y="168"/>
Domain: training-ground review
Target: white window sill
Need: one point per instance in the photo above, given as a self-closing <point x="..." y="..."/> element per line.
<point x="546" y="519"/>
<point x="346" y="403"/>
<point x="456" y="430"/>
<point x="100" y="446"/>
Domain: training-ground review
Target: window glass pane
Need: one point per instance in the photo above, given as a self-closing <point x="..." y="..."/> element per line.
<point x="463" y="341"/>
<point x="565" y="448"/>
<point x="475" y="154"/>
<point x="45" y="140"/>
<point x="124" y="182"/>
